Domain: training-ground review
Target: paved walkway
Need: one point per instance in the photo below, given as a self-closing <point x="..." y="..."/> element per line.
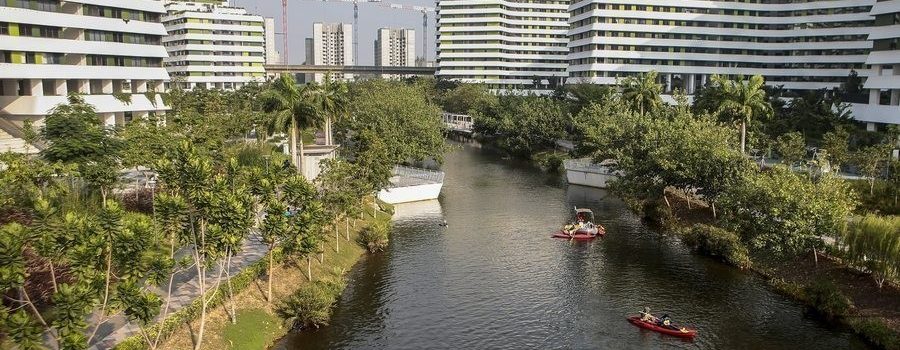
<point x="185" y="289"/>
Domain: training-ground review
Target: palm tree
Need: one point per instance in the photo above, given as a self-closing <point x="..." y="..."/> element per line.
<point x="330" y="100"/>
<point x="291" y="112"/>
<point x="744" y="100"/>
<point x="642" y="91"/>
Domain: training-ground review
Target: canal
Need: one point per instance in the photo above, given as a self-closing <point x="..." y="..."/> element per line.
<point x="493" y="279"/>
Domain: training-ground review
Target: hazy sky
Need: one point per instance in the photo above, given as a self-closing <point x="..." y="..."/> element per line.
<point x="303" y="13"/>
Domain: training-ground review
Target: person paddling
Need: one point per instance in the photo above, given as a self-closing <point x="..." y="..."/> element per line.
<point x="647" y="317"/>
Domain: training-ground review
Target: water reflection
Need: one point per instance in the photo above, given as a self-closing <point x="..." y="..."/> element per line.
<point x="493" y="279"/>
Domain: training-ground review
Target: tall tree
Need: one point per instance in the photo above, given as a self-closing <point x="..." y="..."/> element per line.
<point x="642" y="91"/>
<point x="743" y="101"/>
<point x="871" y="162"/>
<point x="331" y="101"/>
<point x="75" y="135"/>
<point x="791" y="147"/>
<point x="837" y="143"/>
<point x="291" y="112"/>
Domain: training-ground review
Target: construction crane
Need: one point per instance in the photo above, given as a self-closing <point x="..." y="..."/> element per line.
<point x="284" y="29"/>
<point x="424" y="10"/>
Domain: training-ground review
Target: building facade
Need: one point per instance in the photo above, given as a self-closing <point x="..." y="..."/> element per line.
<point x="216" y="46"/>
<point x="332" y="45"/>
<point x="503" y="43"/>
<point x="395" y="47"/>
<point x="883" y="83"/>
<point x="798" y="45"/>
<point x="110" y="52"/>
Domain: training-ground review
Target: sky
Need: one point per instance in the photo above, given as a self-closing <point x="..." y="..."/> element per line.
<point x="303" y="13"/>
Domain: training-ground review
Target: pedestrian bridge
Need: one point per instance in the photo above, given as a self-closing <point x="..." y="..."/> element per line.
<point x="459" y="123"/>
<point x="321" y="69"/>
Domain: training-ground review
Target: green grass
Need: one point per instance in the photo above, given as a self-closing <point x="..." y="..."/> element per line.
<point x="253" y="330"/>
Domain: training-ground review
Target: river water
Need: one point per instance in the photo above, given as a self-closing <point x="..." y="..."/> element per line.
<point x="493" y="279"/>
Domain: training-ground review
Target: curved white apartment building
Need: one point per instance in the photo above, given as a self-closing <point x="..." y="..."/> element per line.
<point x="506" y="44"/>
<point x="883" y="82"/>
<point x="214" y="45"/>
<point x="801" y="45"/>
<point x="103" y="49"/>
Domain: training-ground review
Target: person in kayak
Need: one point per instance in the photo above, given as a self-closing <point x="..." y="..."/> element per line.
<point x="647" y="317"/>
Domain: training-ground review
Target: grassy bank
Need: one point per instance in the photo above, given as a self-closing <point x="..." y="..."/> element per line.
<point x="257" y="325"/>
<point x="823" y="282"/>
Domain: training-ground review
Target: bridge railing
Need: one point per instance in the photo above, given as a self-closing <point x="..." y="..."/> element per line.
<point x="587" y="165"/>
<point x="404" y="176"/>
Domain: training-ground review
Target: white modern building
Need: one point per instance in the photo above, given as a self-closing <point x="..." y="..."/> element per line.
<point x="503" y="43"/>
<point x="109" y="51"/>
<point x="216" y="46"/>
<point x="800" y="45"/>
<point x="883" y="83"/>
<point x="395" y="47"/>
<point x="331" y="45"/>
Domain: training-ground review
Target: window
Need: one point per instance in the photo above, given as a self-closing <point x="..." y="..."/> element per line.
<point x="4" y="28"/>
<point x="30" y="57"/>
<point x="53" y="58"/>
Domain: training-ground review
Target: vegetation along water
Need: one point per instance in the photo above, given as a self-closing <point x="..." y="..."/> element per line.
<point x="204" y="229"/>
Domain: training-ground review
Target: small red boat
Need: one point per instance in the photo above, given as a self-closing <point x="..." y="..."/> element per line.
<point x="584" y="227"/>
<point x="680" y="332"/>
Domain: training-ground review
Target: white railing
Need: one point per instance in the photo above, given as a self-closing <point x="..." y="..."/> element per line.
<point x="404" y="176"/>
<point x="587" y="165"/>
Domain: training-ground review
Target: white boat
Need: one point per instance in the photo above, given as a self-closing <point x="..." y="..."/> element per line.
<point x="587" y="173"/>
<point x="412" y="185"/>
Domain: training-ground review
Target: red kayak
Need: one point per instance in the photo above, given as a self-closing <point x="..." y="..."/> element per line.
<point x="683" y="332"/>
<point x="578" y="235"/>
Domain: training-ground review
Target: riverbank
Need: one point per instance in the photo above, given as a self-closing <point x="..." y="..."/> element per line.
<point x="258" y="325"/>
<point x="872" y="313"/>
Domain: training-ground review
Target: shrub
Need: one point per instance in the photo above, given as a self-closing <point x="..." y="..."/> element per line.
<point x="874" y="242"/>
<point x="658" y="213"/>
<point x="375" y="237"/>
<point x="139" y="200"/>
<point x="309" y="306"/>
<point x="878" y="333"/>
<point x="717" y="242"/>
<point x="552" y="162"/>
<point x="827" y="299"/>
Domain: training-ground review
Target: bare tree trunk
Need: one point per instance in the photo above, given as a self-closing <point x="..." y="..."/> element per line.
<point x="337" y="239"/>
<point x="329" y="138"/>
<point x="347" y="224"/>
<point x="271" y="262"/>
<point x="667" y="200"/>
<point x="165" y="311"/>
<point x="309" y="268"/>
<point x="233" y="313"/>
<point x="713" y="205"/>
<point x="199" y="261"/>
<point x="816" y="257"/>
<point x="300" y="152"/>
<point x="743" y="136"/>
<point x="53" y="277"/>
<point x="293" y="144"/>
<point x="102" y="316"/>
<point x="375" y="206"/>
